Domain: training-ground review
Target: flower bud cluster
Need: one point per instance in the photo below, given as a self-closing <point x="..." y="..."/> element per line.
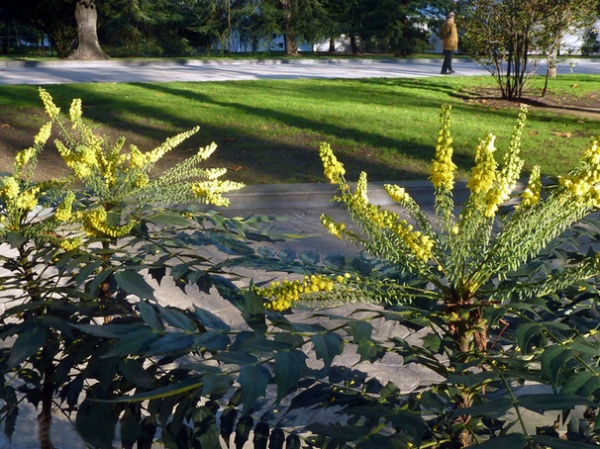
<point x="95" y="223"/>
<point x="334" y="228"/>
<point x="334" y="169"/>
<point x="532" y="193"/>
<point x="64" y="210"/>
<point x="283" y="294"/>
<point x="442" y="171"/>
<point x="584" y="184"/>
<point x="211" y="191"/>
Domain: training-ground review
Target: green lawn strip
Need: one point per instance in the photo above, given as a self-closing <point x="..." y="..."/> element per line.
<point x="268" y="131"/>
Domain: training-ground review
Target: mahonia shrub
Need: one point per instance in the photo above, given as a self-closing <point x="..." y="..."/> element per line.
<point x="506" y="284"/>
<point x="74" y="251"/>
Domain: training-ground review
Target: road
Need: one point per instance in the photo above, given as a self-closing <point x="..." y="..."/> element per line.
<point x="114" y="71"/>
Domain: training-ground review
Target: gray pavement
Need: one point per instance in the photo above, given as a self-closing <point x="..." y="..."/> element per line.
<point x="297" y="206"/>
<point x="121" y="71"/>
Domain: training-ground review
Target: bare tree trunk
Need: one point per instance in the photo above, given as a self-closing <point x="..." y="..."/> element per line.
<point x="291" y="46"/>
<point x="88" y="46"/>
<point x="331" y="45"/>
<point x="354" y="44"/>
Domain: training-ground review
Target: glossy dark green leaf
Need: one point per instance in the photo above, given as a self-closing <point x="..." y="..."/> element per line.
<point x="96" y="423"/>
<point x="292" y="442"/>
<point x="254" y="380"/>
<point x="338" y="432"/>
<point x="553" y="360"/>
<point x="177" y="319"/>
<point x="510" y="441"/>
<point x="206" y="432"/>
<point x="15" y="239"/>
<point x="171" y="343"/>
<point x="277" y="439"/>
<point x="133" y="283"/>
<point x="361" y="330"/>
<point x="176" y="388"/>
<point x="213" y="341"/>
<point x="543" y="402"/>
<point x="242" y="432"/>
<point x="86" y="271"/>
<point x="133" y="370"/>
<point x="27" y="344"/>
<point x="136" y="342"/>
<point x="165" y="219"/>
<point x="557" y="443"/>
<point x="310" y="257"/>
<point x="471" y="380"/>
<point x="289" y="369"/>
<point x="495" y="407"/>
<point x="411" y="424"/>
<point x="327" y="346"/>
<point x="110" y="330"/>
<point x="261" y="435"/>
<point x="150" y="316"/>
<point x="235" y="358"/>
<point x="228" y="419"/>
<point x="210" y="320"/>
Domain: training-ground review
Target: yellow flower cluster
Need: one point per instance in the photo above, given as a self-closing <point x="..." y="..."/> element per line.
<point x="51" y="109"/>
<point x="484" y="172"/>
<point x="334" y="228"/>
<point x="531" y="195"/>
<point x="442" y="171"/>
<point x="283" y="294"/>
<point x="210" y="191"/>
<point x="23" y="157"/>
<point x="43" y="134"/>
<point x="397" y="193"/>
<point x="64" y="210"/>
<point x="360" y="194"/>
<point x="419" y="244"/>
<point x="95" y="223"/>
<point x="12" y="195"/>
<point x="28" y="199"/>
<point x="75" y="112"/>
<point x="70" y="244"/>
<point x="156" y="154"/>
<point x="334" y="170"/>
<point x="10" y="188"/>
<point x="585" y="185"/>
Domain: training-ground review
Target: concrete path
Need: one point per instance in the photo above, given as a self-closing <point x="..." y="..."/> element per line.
<point x="116" y="71"/>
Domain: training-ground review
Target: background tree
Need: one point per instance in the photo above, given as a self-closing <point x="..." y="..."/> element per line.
<point x="54" y="18"/>
<point x="502" y="34"/>
<point x="88" y="45"/>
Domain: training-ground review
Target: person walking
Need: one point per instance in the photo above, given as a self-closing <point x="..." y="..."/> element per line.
<point x="449" y="36"/>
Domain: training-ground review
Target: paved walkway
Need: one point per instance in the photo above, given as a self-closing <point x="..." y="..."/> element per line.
<point x="118" y="71"/>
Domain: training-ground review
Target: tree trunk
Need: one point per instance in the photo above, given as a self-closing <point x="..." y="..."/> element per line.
<point x="331" y="45"/>
<point x="291" y="46"/>
<point x="354" y="44"/>
<point x="88" y="46"/>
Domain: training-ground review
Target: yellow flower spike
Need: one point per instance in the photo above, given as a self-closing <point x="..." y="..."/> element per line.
<point x="23" y="157"/>
<point x="204" y="153"/>
<point x="70" y="244"/>
<point x="334" y="228"/>
<point x="397" y="193"/>
<point x="334" y="170"/>
<point x="64" y="210"/>
<point x="531" y="195"/>
<point x="443" y="168"/>
<point x="484" y="172"/>
<point x="51" y="109"/>
<point x="10" y="188"/>
<point x="75" y="112"/>
<point x="43" y="134"/>
<point x="28" y="199"/>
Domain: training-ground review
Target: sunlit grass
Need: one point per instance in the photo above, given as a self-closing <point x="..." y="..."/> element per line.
<point x="270" y="130"/>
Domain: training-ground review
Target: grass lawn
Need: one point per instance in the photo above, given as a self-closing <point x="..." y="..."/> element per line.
<point x="269" y="131"/>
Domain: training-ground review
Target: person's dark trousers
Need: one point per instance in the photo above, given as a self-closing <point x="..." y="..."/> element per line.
<point x="447" y="66"/>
